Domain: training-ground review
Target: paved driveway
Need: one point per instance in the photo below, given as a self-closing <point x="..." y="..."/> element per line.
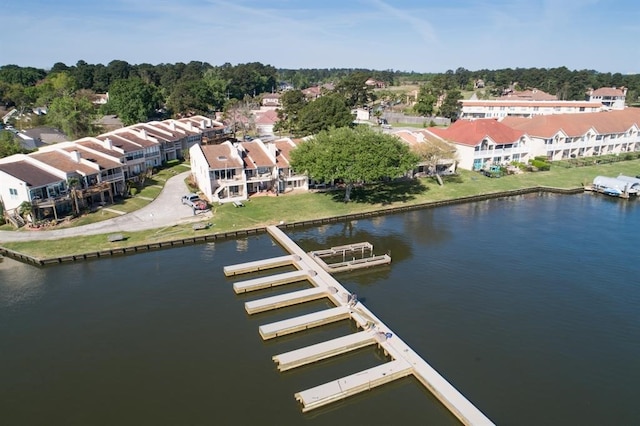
<point x="165" y="210"/>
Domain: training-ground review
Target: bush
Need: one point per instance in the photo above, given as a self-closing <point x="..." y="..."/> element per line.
<point x="540" y="165"/>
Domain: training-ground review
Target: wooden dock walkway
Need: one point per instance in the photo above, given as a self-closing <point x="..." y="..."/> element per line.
<point x="323" y="350"/>
<point x="293" y="325"/>
<point x="259" y="265"/>
<point x="270" y="281"/>
<point x="280" y="301"/>
<point x="404" y="361"/>
<point x="362" y="381"/>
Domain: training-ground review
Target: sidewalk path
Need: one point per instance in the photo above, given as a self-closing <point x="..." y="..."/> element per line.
<point x="165" y="210"/>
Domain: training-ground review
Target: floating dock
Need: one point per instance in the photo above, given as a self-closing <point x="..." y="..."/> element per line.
<point x="324" y="350"/>
<point x="270" y="281"/>
<point x="353" y="384"/>
<point x="349" y="254"/>
<point x="304" y="322"/>
<point x="259" y="265"/>
<point x="404" y="361"/>
<point x="280" y="301"/>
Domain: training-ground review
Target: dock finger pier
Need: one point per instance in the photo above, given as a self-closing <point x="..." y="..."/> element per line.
<point x="403" y="360"/>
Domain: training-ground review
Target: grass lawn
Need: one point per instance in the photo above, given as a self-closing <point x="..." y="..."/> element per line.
<point x="294" y="207"/>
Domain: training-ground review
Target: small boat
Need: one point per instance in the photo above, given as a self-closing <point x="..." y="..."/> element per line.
<point x="612" y="191"/>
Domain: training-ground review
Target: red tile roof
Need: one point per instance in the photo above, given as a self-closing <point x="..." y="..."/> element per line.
<point x="530" y="95"/>
<point x="608" y="92"/>
<point x="572" y="125"/>
<point x="472" y="132"/>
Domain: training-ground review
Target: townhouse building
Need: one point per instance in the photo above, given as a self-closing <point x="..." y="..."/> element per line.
<point x="501" y="108"/>
<point x="68" y="176"/>
<point x="231" y="172"/>
<point x="582" y="135"/>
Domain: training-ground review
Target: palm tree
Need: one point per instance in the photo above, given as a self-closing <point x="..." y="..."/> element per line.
<point x="73" y="184"/>
<point x="25" y="209"/>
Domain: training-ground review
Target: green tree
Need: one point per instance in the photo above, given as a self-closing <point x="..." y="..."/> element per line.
<point x="355" y="155"/>
<point x="191" y="96"/>
<point x="450" y="106"/>
<point x="322" y="114"/>
<point x="292" y="102"/>
<point x="426" y="101"/>
<point x="74" y="115"/>
<point x="133" y="100"/>
<point x="54" y="86"/>
<point x="354" y="90"/>
<point x="8" y="144"/>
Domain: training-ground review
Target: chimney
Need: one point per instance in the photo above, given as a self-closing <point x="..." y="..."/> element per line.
<point x="203" y="124"/>
<point x="172" y="125"/>
<point x="75" y="155"/>
<point x="108" y="143"/>
<point x="143" y="134"/>
<point x="420" y="137"/>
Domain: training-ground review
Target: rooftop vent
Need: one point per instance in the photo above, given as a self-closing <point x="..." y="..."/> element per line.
<point x="222" y="157"/>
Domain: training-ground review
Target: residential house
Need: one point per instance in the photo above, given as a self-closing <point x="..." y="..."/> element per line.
<point x="376" y="84"/>
<point x="414" y="139"/>
<point x="271" y="100"/>
<point x="42" y="135"/>
<point x="610" y="97"/>
<point x="480" y="143"/>
<point x="528" y="95"/>
<point x="264" y="121"/>
<point x="218" y="171"/>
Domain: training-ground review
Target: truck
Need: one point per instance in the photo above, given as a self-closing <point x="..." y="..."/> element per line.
<point x="195" y="202"/>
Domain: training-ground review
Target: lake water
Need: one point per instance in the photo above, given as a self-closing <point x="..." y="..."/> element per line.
<point x="527" y="305"/>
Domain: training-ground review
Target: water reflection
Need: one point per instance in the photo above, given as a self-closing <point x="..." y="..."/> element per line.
<point x="19" y="282"/>
<point x="424" y="228"/>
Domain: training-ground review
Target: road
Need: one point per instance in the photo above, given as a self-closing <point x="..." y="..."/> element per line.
<point x="165" y="210"/>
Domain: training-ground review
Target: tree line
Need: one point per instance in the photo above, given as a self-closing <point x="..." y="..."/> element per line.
<point x="141" y="92"/>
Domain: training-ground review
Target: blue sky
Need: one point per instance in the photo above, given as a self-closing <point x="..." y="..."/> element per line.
<point x="406" y="35"/>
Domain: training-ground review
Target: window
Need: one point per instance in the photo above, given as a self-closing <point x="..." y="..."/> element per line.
<point x="13" y="192"/>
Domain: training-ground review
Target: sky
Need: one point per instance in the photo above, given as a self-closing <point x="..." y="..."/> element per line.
<point x="400" y="35"/>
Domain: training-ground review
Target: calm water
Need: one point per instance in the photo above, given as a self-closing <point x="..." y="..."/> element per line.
<point x="529" y="306"/>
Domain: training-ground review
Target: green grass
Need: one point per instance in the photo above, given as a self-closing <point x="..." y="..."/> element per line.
<point x="294" y="207"/>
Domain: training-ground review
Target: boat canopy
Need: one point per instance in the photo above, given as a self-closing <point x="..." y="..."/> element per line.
<point x="604" y="182"/>
<point x="635" y="182"/>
